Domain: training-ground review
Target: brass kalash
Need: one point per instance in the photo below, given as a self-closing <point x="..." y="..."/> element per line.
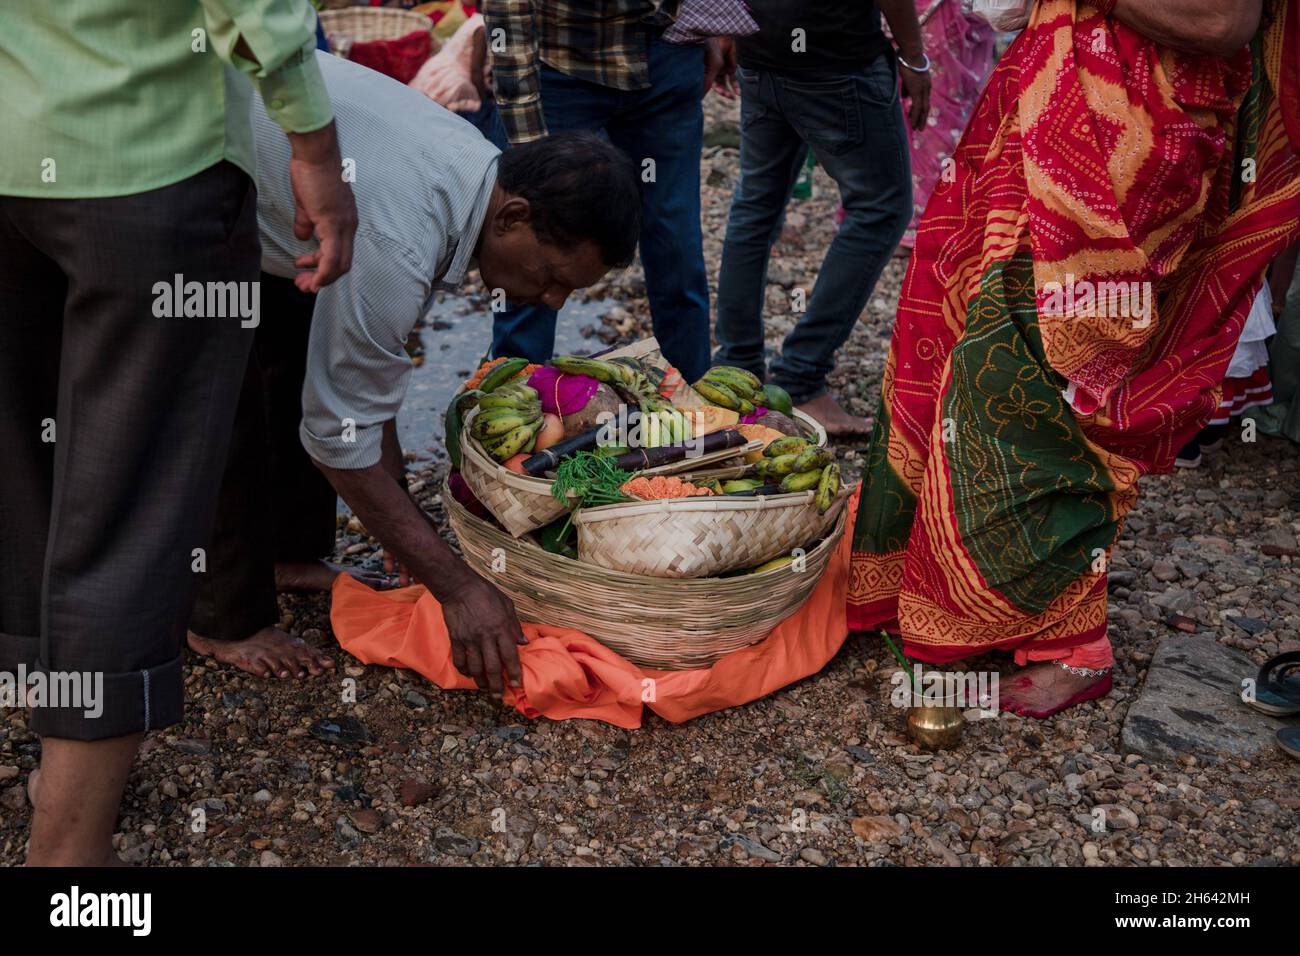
<point x="936" y="723"/>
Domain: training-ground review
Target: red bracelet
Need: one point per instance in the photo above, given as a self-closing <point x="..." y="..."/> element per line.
<point x="1105" y="7"/>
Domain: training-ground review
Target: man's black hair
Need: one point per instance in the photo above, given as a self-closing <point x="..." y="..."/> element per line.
<point x="581" y="188"/>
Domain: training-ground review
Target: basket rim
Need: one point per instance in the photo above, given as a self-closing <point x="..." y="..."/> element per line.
<point x="595" y="570"/>
<point x="632" y="509"/>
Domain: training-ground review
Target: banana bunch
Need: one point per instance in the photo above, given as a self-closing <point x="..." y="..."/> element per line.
<point x="626" y="375"/>
<point x="508" y="420"/>
<point x="662" y="424"/>
<point x="730" y="387"/>
<point x="801" y="466"/>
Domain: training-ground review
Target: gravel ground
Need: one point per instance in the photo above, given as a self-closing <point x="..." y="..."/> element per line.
<point x="819" y="774"/>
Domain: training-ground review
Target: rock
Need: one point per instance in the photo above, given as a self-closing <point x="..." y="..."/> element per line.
<point x="346" y="731"/>
<point x="14" y="798"/>
<point x="262" y="796"/>
<point x="416" y="699"/>
<point x="412" y="793"/>
<point x="367" y="821"/>
<point x="1250" y="625"/>
<point x="269" y="858"/>
<point x="876" y="829"/>
<point x="1191" y="704"/>
<point x="447" y="840"/>
<point x="199" y="748"/>
<point x="1118" y="817"/>
<point x="751" y="846"/>
<point x="1164" y="571"/>
<point x="8" y="773"/>
<point x="812" y="855"/>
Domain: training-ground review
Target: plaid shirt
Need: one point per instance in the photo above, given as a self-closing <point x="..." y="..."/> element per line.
<point x="602" y="41"/>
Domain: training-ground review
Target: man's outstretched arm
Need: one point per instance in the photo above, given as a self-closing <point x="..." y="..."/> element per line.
<point x="481" y="620"/>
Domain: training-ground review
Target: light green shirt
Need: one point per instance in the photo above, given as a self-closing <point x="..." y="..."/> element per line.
<point x="113" y="97"/>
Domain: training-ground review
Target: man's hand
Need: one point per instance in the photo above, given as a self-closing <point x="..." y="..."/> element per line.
<point x="916" y="87"/>
<point x="720" y="67"/>
<point x="485" y="635"/>
<point x="325" y="207"/>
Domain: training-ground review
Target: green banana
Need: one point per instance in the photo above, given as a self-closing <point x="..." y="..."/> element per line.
<point x="514" y="442"/>
<point x="712" y="484"/>
<point x="751" y="381"/>
<point x="737" y="384"/>
<point x="776" y="467"/>
<point x="508" y="400"/>
<point x="828" y="487"/>
<point x="496" y="427"/>
<point x="740" y="484"/>
<point x="501" y="373"/>
<point x="786" y="446"/>
<point x="602" y="371"/>
<point x="813" y="459"/>
<point x="719" y="395"/>
<point x="800" y="481"/>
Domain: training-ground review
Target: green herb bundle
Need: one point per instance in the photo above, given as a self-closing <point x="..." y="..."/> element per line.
<point x="588" y="480"/>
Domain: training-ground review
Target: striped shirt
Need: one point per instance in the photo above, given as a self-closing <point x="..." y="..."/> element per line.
<point x="422" y="178"/>
<point x="603" y="42"/>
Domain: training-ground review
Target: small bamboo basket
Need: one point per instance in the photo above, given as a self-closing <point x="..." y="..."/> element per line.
<point x="523" y="503"/>
<point x="657" y="623"/>
<point x="700" y="537"/>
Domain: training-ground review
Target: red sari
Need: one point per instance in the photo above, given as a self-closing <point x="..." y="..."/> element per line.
<point x="1027" y="388"/>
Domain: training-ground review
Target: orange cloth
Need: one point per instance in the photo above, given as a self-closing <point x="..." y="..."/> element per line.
<point x="569" y="674"/>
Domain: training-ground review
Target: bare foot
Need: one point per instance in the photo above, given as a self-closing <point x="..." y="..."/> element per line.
<point x="268" y="653"/>
<point x="837" y="422"/>
<point x="319" y="575"/>
<point x="33" y="795"/>
<point x="1042" y="690"/>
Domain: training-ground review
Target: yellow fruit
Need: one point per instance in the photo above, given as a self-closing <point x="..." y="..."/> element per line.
<point x="704" y="419"/>
<point x="761" y="433"/>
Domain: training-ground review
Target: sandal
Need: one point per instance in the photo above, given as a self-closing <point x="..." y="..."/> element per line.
<point x="1277" y="693"/>
<point x="1288" y="738"/>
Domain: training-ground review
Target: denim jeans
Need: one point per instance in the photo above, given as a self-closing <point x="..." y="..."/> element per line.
<point x="664" y="123"/>
<point x="854" y="123"/>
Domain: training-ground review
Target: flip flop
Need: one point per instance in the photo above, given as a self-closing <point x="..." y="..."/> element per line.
<point x="1277" y="693"/>
<point x="1288" y="738"/>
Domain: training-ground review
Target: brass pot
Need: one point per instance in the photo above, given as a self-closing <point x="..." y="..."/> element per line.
<point x="935" y="728"/>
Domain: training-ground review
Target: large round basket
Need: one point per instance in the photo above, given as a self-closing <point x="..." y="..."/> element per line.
<point x="699" y="537"/>
<point x="363" y="24"/>
<point x="664" y="624"/>
<point x="393" y="42"/>
<point x="523" y="503"/>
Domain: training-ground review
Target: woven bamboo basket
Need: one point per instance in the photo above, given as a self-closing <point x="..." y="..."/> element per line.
<point x="523" y="503"/>
<point x="664" y="624"/>
<point x="699" y="537"/>
<point x="362" y="24"/>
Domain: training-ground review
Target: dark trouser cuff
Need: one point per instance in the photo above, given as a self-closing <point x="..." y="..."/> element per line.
<point x="121" y="704"/>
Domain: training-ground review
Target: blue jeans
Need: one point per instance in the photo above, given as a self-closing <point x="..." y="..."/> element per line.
<point x="664" y="123"/>
<point x="854" y="124"/>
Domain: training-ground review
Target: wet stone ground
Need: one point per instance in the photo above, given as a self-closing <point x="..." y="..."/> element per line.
<point x="268" y="773"/>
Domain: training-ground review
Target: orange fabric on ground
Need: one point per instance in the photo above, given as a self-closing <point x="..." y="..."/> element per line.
<point x="569" y="674"/>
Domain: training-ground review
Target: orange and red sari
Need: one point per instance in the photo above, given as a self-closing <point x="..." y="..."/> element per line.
<point x="1024" y="396"/>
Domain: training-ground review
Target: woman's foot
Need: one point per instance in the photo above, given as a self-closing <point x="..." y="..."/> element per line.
<point x="268" y="653"/>
<point x="1041" y="690"/>
<point x="319" y="575"/>
<point x="837" y="422"/>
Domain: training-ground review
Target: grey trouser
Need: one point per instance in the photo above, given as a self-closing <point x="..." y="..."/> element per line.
<point x="99" y="527"/>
